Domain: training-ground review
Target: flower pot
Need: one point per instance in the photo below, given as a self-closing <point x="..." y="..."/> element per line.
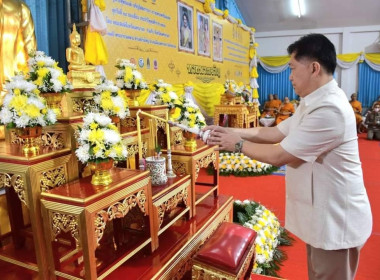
<point x="53" y="101"/>
<point x="132" y="94"/>
<point x="190" y="141"/>
<point x="29" y="136"/>
<point x="102" y="175"/>
<point x="157" y="168"/>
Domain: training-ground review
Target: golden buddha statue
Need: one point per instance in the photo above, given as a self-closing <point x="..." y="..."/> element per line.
<point x="17" y="39"/>
<point x="81" y="75"/>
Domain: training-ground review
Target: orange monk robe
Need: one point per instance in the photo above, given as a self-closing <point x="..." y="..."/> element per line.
<point x="285" y="111"/>
<point x="271" y="107"/>
<point x="357" y="107"/>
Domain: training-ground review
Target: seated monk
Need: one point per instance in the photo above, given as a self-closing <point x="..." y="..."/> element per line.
<point x="357" y="107"/>
<point x="75" y="55"/>
<point x="270" y="107"/>
<point x="286" y="110"/>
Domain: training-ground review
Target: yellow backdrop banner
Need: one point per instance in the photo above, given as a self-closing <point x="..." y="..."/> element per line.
<point x="176" y="41"/>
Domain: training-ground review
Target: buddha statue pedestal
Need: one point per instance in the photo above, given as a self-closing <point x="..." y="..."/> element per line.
<point x="83" y="79"/>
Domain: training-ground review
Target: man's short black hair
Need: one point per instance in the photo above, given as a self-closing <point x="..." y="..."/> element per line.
<point x="316" y="47"/>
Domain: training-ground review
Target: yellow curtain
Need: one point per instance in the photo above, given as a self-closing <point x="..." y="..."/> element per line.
<point x="373" y="57"/>
<point x="96" y="50"/>
<point x="275" y="61"/>
<point x="348" y="57"/>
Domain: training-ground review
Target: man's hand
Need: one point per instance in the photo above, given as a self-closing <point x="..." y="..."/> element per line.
<point x="226" y="140"/>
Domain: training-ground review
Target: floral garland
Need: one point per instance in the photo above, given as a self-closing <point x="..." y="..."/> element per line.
<point x="239" y="164"/>
<point x="127" y="77"/>
<point x="99" y="140"/>
<point x="45" y="73"/>
<point x="270" y="235"/>
<point x="23" y="106"/>
<point x="111" y="100"/>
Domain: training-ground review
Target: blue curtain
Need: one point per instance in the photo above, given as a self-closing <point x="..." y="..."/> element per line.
<point x="231" y="6"/>
<point x="274" y="83"/>
<point x="369" y="85"/>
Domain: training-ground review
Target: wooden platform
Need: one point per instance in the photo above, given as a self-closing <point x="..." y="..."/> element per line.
<point x="172" y="260"/>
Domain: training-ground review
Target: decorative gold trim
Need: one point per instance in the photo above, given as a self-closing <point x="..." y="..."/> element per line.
<point x="179" y="168"/>
<point x="52" y="178"/>
<point x="64" y="222"/>
<point x="118" y="210"/>
<point x="204" y="162"/>
<point x="22" y="264"/>
<point x="17" y="182"/>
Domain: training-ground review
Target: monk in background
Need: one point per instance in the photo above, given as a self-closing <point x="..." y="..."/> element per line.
<point x="357" y="107"/>
<point x="271" y="107"/>
<point x="286" y="110"/>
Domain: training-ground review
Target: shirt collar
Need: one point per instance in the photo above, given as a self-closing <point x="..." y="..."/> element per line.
<point x="315" y="95"/>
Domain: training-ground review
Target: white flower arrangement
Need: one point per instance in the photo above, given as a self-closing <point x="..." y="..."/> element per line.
<point x="239" y="164"/>
<point x="270" y="235"/>
<point x="163" y="94"/>
<point x="233" y="88"/>
<point x="110" y="100"/>
<point x="99" y="140"/>
<point x="46" y="74"/>
<point x="23" y="106"/>
<point x="127" y="77"/>
<point x="190" y="115"/>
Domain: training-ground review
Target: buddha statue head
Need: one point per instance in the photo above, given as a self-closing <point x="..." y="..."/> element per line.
<point x="75" y="37"/>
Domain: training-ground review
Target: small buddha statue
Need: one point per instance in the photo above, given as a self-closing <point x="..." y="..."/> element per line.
<point x="81" y="75"/>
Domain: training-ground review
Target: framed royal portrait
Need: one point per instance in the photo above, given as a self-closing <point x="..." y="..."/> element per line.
<point x="185" y="28"/>
<point x="217" y="42"/>
<point x="203" y="22"/>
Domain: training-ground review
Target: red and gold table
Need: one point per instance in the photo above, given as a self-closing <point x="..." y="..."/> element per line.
<point x="23" y="179"/>
<point x="91" y="221"/>
<point x="191" y="162"/>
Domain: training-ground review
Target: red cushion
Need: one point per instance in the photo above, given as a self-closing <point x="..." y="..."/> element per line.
<point x="227" y="246"/>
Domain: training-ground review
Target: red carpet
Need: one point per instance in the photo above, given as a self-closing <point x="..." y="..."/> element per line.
<point x="270" y="191"/>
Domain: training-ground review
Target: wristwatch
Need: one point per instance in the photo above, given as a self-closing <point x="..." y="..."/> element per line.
<point x="239" y="146"/>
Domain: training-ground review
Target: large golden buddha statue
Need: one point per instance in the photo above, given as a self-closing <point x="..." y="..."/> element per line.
<point x="17" y="38"/>
<point x="81" y="75"/>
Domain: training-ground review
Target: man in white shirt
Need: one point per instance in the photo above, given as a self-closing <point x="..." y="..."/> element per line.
<point x="326" y="202"/>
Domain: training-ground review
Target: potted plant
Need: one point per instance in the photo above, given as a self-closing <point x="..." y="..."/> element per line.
<point x="99" y="145"/>
<point x="24" y="109"/>
<point x="49" y="78"/>
<point x="129" y="79"/>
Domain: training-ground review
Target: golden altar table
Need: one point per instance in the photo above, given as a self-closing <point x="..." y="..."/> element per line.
<point x="187" y="162"/>
<point x="24" y="178"/>
<point x="84" y="213"/>
<point x="241" y="115"/>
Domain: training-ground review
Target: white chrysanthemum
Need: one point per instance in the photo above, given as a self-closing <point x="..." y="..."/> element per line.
<point x="97" y="98"/>
<point x="83" y="135"/>
<point x="102" y="120"/>
<point x="51" y="116"/>
<point x="82" y="153"/>
<point x="41" y="121"/>
<point x="55" y="73"/>
<point x="5" y="116"/>
<point x="111" y="136"/>
<point x="22" y="121"/>
<point x="128" y="84"/>
<point x="89" y="118"/>
<point x="57" y="85"/>
<point x="36" y="101"/>
<point x="125" y="152"/>
<point x="120" y="83"/>
<point x="173" y="95"/>
<point x="7" y="98"/>
<point x="100" y="154"/>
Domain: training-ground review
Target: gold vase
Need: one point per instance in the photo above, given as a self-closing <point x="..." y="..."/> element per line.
<point x="53" y="101"/>
<point x="102" y="175"/>
<point x="190" y="141"/>
<point x="29" y="136"/>
<point x="132" y="94"/>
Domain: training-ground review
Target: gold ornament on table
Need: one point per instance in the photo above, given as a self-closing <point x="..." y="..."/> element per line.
<point x="100" y="144"/>
<point x="129" y="79"/>
<point x="81" y="75"/>
<point x="49" y="78"/>
<point x="24" y="109"/>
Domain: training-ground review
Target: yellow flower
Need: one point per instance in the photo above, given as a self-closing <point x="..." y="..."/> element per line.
<point x="40" y="63"/>
<point x="128" y="75"/>
<point x="106" y="103"/>
<point x="16" y="91"/>
<point x="42" y="72"/>
<point x="191" y="123"/>
<point x="44" y="111"/>
<point x="18" y="102"/>
<point x="36" y="91"/>
<point x="113" y="127"/>
<point x="106" y="94"/>
<point x="32" y="111"/>
<point x="62" y="79"/>
<point x="93" y="126"/>
<point x="96" y="136"/>
<point x="118" y="150"/>
<point x="39" y="81"/>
